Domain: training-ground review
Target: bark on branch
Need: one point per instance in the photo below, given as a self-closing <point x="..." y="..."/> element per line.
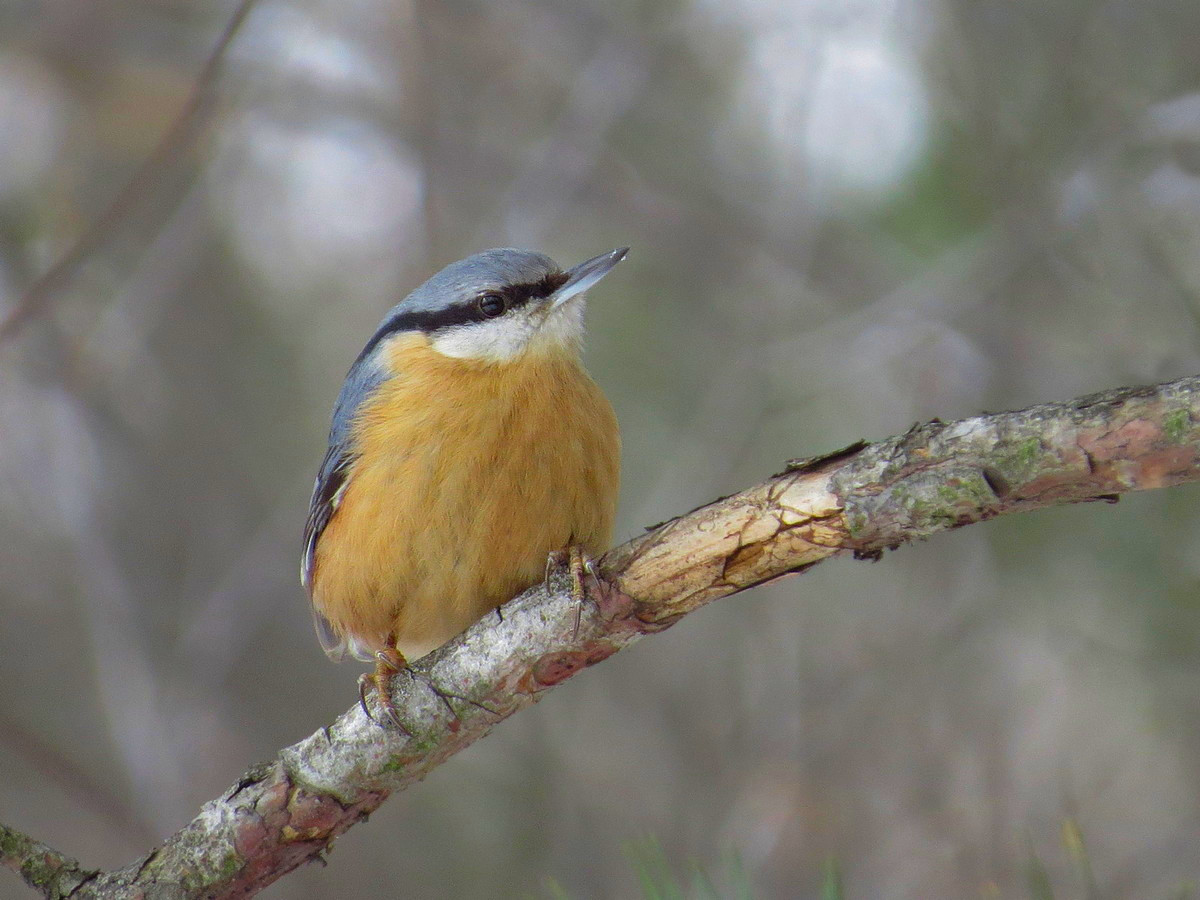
<point x="862" y="500"/>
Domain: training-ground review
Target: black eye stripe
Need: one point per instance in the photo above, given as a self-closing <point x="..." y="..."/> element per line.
<point x="429" y="321"/>
<point x="520" y="294"/>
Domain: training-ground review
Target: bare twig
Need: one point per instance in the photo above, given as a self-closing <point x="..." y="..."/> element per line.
<point x="861" y="501"/>
<point x="181" y="133"/>
<point x="42" y="867"/>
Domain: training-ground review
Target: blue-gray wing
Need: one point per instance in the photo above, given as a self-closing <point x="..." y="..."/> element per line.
<point x="332" y="481"/>
<point x="333" y="478"/>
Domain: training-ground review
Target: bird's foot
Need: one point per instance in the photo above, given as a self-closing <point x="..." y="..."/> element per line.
<point x="578" y="565"/>
<point x="388" y="663"/>
<point x="575" y="560"/>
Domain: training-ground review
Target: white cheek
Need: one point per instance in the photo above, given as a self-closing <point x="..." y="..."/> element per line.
<point x="564" y="326"/>
<point x="503" y="339"/>
<point x="499" y="340"/>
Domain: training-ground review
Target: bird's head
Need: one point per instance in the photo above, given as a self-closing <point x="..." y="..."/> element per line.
<point x="500" y="304"/>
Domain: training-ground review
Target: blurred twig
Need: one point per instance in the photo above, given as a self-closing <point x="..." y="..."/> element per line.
<point x="42" y="867"/>
<point x="142" y="184"/>
<point x="865" y="499"/>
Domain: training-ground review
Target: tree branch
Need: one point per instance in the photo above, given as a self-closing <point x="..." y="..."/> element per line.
<point x="862" y="500"/>
<point x="42" y="867"/>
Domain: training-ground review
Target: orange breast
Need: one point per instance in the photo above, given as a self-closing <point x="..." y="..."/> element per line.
<point x="469" y="474"/>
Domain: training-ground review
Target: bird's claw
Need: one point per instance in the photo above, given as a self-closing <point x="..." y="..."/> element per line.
<point x="387" y="664"/>
<point x="579" y="565"/>
<point x="555" y="559"/>
<point x="363" y="680"/>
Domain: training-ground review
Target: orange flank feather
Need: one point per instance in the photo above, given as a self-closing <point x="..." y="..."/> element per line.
<point x="465" y="479"/>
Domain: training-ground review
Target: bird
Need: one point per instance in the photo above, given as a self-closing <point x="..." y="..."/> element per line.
<point x="468" y="448"/>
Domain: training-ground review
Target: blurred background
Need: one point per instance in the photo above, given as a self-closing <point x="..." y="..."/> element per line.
<point x="845" y="217"/>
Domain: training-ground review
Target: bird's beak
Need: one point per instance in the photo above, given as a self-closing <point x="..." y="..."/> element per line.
<point x="584" y="275"/>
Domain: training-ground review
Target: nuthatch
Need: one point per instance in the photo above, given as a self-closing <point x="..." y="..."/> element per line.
<point x="467" y="445"/>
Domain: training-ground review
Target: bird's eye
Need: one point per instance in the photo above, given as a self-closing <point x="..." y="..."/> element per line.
<point x="491" y="305"/>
